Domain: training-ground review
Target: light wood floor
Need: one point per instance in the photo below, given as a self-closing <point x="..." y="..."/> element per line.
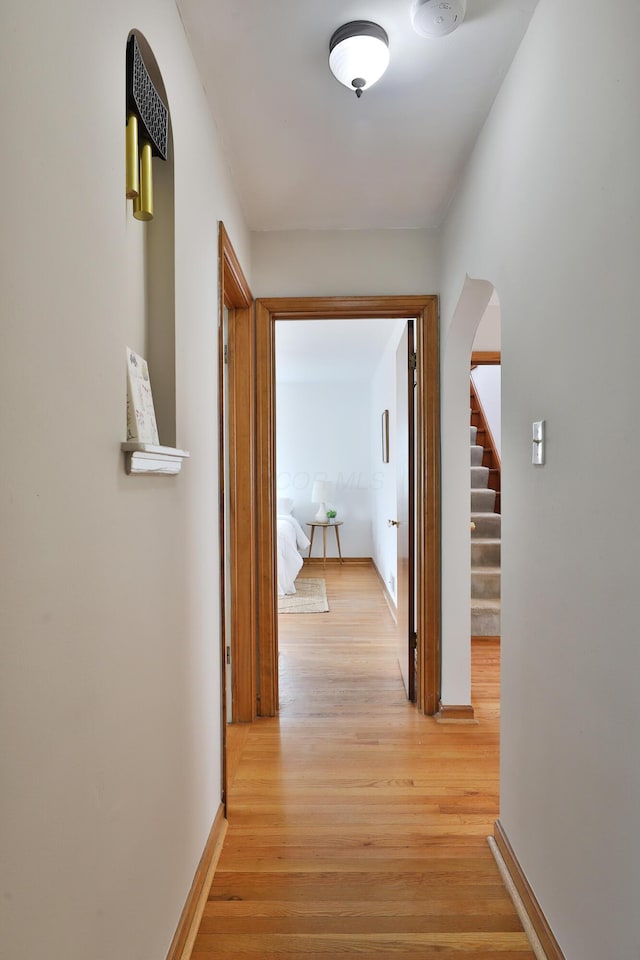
<point x="357" y="826"/>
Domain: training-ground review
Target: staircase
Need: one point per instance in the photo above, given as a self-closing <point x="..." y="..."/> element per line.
<point x="485" y="537"/>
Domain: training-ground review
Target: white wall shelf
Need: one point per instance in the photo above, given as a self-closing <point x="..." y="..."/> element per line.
<point x="149" y="458"/>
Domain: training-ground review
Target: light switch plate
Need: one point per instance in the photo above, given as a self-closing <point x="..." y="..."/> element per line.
<point x="537" y="452"/>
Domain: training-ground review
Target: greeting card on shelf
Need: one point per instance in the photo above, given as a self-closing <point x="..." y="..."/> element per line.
<point x="141" y="417"/>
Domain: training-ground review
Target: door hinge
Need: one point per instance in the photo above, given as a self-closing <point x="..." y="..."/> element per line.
<point x="228" y="654"/>
<point x="413" y="641"/>
<point x="226" y="353"/>
<point x="413" y="361"/>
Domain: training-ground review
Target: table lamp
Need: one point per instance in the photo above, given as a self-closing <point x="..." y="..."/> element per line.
<point x="321" y="491"/>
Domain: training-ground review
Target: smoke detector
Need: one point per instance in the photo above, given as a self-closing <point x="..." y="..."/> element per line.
<point x="437" y="18"/>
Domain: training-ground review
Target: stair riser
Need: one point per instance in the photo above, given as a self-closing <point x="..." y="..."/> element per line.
<point x="477" y="453"/>
<point x="479" y="478"/>
<point x="487" y="526"/>
<point x="485" y="624"/>
<point x="485" y="586"/>
<point x="485" y="554"/>
<point x="473" y="434"/>
<point x="483" y="501"/>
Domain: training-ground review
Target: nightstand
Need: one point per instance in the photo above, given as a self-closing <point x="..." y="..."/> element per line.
<point x="324" y="525"/>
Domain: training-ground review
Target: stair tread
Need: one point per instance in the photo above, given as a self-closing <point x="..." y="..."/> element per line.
<point x="491" y="605"/>
<point x="482" y="569"/>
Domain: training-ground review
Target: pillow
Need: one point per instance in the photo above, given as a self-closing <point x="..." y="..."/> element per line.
<point x="284" y="506"/>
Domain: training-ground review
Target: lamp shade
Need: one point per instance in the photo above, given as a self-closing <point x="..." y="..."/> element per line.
<point x="437" y="18"/>
<point x="321" y="491"/>
<point x="359" y="54"/>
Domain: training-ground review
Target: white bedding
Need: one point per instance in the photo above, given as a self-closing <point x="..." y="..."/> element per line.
<point x="291" y="539"/>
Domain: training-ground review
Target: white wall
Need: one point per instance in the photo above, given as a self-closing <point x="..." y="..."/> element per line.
<point x="548" y="213"/>
<point x="345" y="263"/>
<point x="109" y="709"/>
<point x="322" y="433"/>
<point x="488" y="333"/>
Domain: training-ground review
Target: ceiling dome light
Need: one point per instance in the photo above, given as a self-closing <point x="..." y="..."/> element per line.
<point x="437" y="18"/>
<point x="359" y="54"/>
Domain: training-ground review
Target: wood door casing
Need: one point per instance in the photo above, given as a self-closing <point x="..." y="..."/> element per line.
<point x="267" y="582"/>
<point x="236" y="296"/>
<point x="424" y="311"/>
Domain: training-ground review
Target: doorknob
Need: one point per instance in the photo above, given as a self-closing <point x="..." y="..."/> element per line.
<point x="393" y="523"/>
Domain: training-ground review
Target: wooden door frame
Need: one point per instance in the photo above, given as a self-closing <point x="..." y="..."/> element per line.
<point x="236" y="296"/>
<point x="424" y="311"/>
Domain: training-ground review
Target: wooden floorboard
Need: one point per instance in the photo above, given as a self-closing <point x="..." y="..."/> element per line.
<point x="357" y="827"/>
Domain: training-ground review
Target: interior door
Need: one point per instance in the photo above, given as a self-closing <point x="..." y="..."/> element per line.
<point x="405" y="513"/>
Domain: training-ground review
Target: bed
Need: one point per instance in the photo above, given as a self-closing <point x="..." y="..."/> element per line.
<point x="291" y="539"/>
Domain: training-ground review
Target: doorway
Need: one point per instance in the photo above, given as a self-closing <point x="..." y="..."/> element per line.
<point x="423" y="311"/>
<point x="344" y="392"/>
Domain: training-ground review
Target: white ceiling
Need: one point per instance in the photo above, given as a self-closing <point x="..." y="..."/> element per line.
<point x="305" y="153"/>
<point x="319" y="351"/>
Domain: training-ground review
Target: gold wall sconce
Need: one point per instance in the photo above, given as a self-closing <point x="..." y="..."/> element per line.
<point x="146" y="134"/>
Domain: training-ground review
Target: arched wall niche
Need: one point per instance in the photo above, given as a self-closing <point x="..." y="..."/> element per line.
<point x="156" y="282"/>
<point x="474" y="298"/>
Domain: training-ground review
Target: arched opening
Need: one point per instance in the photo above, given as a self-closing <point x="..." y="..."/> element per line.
<point x="485" y="389"/>
<point x="456" y="542"/>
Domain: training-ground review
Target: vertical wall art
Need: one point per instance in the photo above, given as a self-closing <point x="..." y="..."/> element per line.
<point x="147" y="132"/>
<point x="385" y="436"/>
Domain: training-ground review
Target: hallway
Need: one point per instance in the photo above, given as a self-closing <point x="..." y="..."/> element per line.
<point x="357" y="827"/>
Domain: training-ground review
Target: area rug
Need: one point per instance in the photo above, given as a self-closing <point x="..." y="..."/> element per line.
<point x="310" y="597"/>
